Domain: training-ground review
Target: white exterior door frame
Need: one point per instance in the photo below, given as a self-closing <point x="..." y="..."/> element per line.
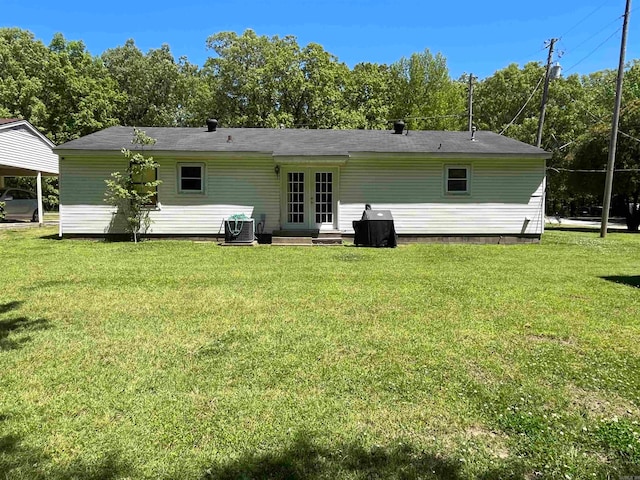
<point x="309" y="197"/>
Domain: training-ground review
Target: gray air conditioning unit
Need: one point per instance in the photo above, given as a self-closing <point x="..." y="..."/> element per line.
<point x="238" y="230"/>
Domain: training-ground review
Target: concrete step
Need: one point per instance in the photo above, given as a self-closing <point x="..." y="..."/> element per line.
<point x="292" y="241"/>
<point x="328" y="241"/>
<point x="307" y="233"/>
<point x="239" y="244"/>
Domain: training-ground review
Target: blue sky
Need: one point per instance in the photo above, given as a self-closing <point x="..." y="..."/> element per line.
<point x="476" y="37"/>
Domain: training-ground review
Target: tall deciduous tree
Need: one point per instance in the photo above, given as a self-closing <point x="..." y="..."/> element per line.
<point x="195" y="95"/>
<point x="369" y="95"/>
<point x="62" y="90"/>
<point x="323" y="97"/>
<point x="149" y="82"/>
<point x="591" y="153"/>
<point x="22" y="61"/>
<point x="425" y="95"/>
<point x="79" y="95"/>
<point x="270" y="81"/>
<point x="258" y="78"/>
<point x="504" y="97"/>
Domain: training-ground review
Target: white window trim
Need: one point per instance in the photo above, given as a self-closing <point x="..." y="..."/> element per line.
<point x="456" y="193"/>
<point x="202" y="178"/>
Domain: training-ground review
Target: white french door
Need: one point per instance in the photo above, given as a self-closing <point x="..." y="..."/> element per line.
<point x="310" y="198"/>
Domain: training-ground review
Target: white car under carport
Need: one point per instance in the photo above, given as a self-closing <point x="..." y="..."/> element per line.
<point x="19" y="204"/>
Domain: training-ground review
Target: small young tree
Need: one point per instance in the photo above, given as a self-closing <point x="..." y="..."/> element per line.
<point x="1" y="210"/>
<point x="135" y="190"/>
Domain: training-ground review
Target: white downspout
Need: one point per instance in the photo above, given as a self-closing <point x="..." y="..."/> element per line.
<point x="39" y="190"/>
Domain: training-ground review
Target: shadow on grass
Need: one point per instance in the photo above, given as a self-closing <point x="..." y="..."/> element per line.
<point x="17" y="325"/>
<point x="20" y="461"/>
<point x="7" y="307"/>
<point x="631" y="280"/>
<point x="303" y="459"/>
<point x="53" y="236"/>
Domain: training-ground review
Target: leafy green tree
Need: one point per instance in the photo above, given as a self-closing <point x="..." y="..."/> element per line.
<point x="504" y="97"/>
<point x="79" y="95"/>
<point x="133" y="191"/>
<point x="323" y="102"/>
<point x="425" y="95"/>
<point x="22" y="61"/>
<point x="591" y="153"/>
<point x="369" y="95"/>
<point x="195" y="95"/>
<point x="62" y="89"/>
<point x="149" y="84"/>
<point x="586" y="130"/>
<point x="258" y="79"/>
<point x="509" y="102"/>
<point x="270" y="81"/>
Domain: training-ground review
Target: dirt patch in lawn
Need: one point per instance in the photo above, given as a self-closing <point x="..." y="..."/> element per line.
<point x="543" y="338"/>
<point x="494" y="442"/>
<point x="596" y="404"/>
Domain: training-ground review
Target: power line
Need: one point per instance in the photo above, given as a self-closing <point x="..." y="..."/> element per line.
<point x="629" y="136"/>
<point x="458" y="115"/>
<point x="578" y="170"/>
<point x="593" y="51"/>
<point x="524" y="106"/>
<point x="615" y="20"/>
<point x="585" y="18"/>
<point x="570" y="30"/>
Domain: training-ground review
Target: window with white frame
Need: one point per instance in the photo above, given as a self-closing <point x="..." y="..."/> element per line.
<point x="457" y="180"/>
<point x="191" y="177"/>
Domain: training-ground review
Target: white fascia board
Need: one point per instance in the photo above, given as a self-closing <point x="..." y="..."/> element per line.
<point x="34" y="130"/>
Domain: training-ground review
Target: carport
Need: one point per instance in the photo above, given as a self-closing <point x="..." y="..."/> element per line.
<point x="25" y="152"/>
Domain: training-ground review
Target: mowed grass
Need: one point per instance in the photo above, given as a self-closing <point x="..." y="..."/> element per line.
<point x="176" y="359"/>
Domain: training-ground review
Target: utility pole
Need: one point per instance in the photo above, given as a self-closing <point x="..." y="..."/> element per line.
<point x="471" y="102"/>
<point x="608" y="184"/>
<point x="545" y="93"/>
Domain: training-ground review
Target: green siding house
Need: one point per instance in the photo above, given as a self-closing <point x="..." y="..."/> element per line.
<point x="436" y="184"/>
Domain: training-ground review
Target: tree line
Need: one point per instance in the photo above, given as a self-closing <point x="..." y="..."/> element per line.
<point x="250" y="80"/>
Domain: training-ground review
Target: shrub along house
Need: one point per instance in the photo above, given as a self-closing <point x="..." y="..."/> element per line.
<point x="315" y="182"/>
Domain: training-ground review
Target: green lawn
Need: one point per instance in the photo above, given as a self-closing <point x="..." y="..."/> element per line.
<point x="175" y="359"/>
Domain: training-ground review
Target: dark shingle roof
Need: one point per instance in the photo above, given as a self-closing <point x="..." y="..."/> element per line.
<point x="300" y="142"/>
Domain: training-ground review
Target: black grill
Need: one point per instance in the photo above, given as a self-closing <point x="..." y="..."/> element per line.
<point x="375" y="229"/>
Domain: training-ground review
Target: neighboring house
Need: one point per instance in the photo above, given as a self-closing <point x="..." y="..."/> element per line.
<point x="25" y="152"/>
<point x="435" y="183"/>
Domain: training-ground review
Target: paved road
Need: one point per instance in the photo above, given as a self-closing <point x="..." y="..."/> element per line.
<point x="614" y="223"/>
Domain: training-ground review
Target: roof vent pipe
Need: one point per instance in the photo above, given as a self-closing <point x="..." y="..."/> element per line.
<point x="398" y="127"/>
<point x="473" y="133"/>
<point x="212" y="124"/>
